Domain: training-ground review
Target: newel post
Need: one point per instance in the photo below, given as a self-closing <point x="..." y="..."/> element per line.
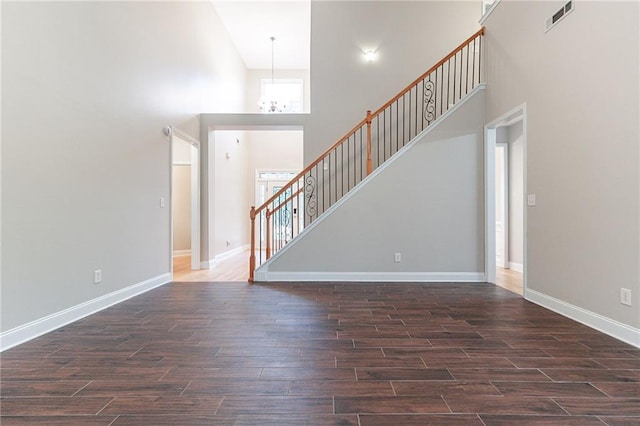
<point x="369" y="160"/>
<point x="252" y="256"/>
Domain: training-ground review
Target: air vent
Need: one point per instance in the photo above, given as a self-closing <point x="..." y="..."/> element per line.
<point x="557" y="17"/>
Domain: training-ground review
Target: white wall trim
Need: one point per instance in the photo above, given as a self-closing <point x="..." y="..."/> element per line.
<point x="26" y="332"/>
<point x="518" y="267"/>
<point x="421" y="277"/>
<point x="372" y="176"/>
<point x="211" y="263"/>
<point x="518" y="113"/>
<point x="208" y="264"/>
<point x="613" y="328"/>
<point x="177" y="253"/>
<point x="232" y="252"/>
<point x="491" y="9"/>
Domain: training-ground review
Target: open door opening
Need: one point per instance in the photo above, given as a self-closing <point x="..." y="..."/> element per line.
<point x="185" y="202"/>
<point x="505" y="212"/>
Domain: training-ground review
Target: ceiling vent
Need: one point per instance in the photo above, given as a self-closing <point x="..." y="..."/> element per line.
<point x="559" y="15"/>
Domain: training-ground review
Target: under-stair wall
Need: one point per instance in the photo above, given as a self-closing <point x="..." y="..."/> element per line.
<point x="425" y="203"/>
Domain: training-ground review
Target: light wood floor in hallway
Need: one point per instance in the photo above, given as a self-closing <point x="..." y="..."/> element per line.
<point x="510" y="280"/>
<point x="236" y="268"/>
<point x="233" y="268"/>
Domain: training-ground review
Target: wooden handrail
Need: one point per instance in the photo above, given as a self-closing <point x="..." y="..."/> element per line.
<point x="374" y="115"/>
<point x="310" y="166"/>
<point x="429" y="71"/>
<point x="365" y="127"/>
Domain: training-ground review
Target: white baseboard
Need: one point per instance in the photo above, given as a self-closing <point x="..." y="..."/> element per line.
<point x="232" y="252"/>
<point x="424" y="277"/>
<point x="211" y="263"/>
<point x="26" y="332"/>
<point x="208" y="264"/>
<point x="177" y="253"/>
<point x="613" y="328"/>
<point x="518" y="267"/>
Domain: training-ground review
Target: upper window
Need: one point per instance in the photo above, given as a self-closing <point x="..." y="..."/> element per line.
<point x="486" y="5"/>
<point x="281" y="95"/>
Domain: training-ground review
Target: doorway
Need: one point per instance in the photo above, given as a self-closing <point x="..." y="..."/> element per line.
<point x="502" y="205"/>
<point x="185" y="201"/>
<point x="505" y="172"/>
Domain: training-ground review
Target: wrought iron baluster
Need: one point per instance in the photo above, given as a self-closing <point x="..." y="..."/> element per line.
<point x="429" y="101"/>
<point x="336" y="172"/>
<point x="460" y="82"/>
<point x="466" y="82"/>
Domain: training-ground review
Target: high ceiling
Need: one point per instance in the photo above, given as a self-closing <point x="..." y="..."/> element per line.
<point x="251" y="23"/>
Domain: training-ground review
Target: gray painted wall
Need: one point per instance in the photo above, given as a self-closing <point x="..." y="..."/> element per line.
<point x="409" y="37"/>
<point x="581" y="87"/>
<point x="428" y="204"/>
<point x="86" y="89"/>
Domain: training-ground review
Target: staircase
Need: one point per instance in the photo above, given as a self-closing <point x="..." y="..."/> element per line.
<point x="371" y="142"/>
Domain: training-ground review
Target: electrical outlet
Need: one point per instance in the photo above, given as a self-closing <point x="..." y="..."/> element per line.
<point x="397" y="257"/>
<point x="625" y="296"/>
<point x="97" y="276"/>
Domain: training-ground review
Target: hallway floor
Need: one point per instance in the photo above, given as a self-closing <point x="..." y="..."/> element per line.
<point x="322" y="354"/>
<point x="232" y="268"/>
<point x="510" y="280"/>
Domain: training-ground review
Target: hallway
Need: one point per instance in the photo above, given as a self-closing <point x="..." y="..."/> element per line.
<point x="510" y="279"/>
<point x="232" y="268"/>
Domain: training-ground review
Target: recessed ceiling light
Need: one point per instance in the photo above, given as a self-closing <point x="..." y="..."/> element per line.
<point x="370" y="55"/>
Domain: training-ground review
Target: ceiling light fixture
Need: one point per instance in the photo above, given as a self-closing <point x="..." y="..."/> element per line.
<point x="369" y="55"/>
<point x="270" y="104"/>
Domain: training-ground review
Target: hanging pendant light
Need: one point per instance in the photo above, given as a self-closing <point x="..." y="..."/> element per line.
<point x="271" y="104"/>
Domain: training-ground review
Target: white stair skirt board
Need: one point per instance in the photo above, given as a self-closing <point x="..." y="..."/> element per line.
<point x="263" y="275"/>
<point x="210" y="264"/>
<point x="26" y="332"/>
<point x="258" y="274"/>
<point x="620" y="331"/>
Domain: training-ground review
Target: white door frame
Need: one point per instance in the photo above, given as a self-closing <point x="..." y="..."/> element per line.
<point x="505" y="207"/>
<point x="517" y="114"/>
<point x="195" y="195"/>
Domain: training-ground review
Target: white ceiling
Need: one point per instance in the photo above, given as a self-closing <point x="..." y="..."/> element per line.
<point x="251" y="23"/>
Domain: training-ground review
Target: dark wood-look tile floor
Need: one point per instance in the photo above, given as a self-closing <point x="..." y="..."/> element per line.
<point x="322" y="354"/>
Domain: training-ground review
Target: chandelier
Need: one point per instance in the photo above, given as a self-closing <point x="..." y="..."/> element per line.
<point x="268" y="103"/>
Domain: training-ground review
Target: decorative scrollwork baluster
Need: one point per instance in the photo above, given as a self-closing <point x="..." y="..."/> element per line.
<point x="311" y="205"/>
<point x="429" y="100"/>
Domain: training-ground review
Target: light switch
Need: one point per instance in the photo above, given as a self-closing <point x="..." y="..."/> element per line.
<point x="531" y="199"/>
<point x="161" y="202"/>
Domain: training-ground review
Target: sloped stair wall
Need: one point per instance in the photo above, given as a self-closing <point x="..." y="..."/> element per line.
<point x="426" y="203"/>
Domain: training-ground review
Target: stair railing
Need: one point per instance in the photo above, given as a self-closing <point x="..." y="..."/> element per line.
<point x="366" y="146"/>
